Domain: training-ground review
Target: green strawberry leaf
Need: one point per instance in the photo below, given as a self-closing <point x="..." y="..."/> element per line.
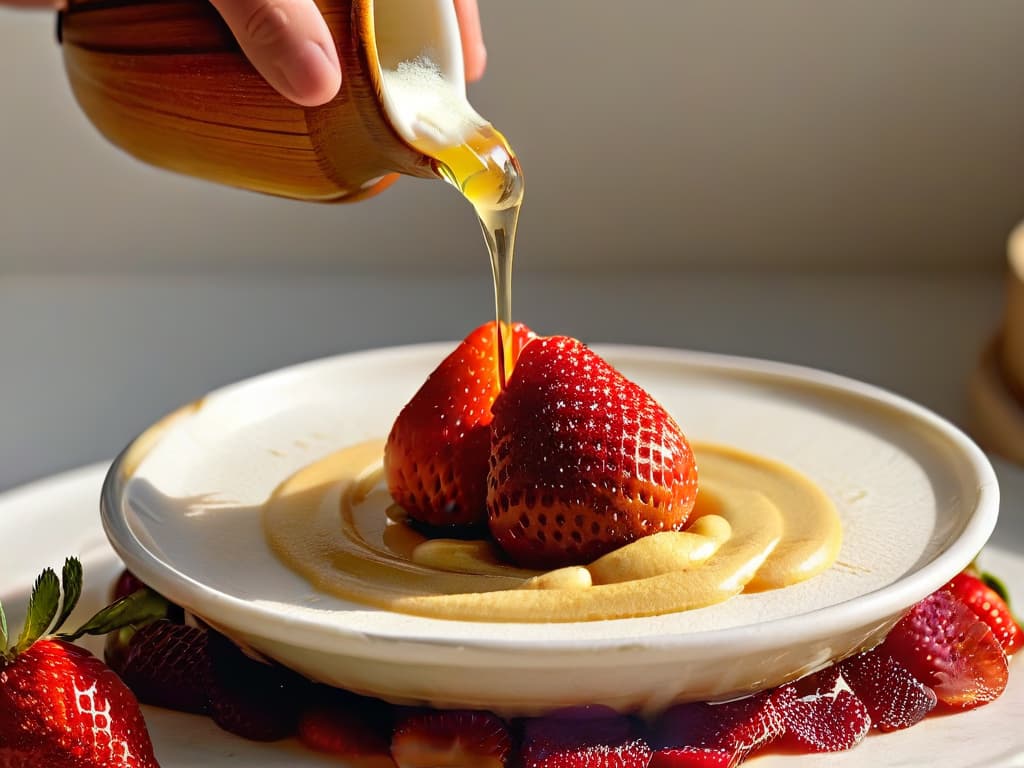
<point x="42" y="607"/>
<point x="136" y="609"/>
<point x="996" y="585"/>
<point x="71" y="584"/>
<point x="3" y="631"/>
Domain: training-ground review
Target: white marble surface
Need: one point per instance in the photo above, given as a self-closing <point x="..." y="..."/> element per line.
<point x="90" y="360"/>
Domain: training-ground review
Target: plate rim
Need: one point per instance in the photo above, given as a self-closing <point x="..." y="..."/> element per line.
<point x="831" y="619"/>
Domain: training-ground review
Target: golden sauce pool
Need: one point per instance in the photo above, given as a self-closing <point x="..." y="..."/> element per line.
<point x="757" y="525"/>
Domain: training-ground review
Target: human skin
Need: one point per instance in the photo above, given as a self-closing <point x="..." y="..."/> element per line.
<point x="290" y="45"/>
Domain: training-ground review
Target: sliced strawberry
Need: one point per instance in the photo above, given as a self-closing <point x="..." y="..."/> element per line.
<point x="575" y="731"/>
<point x="169" y="665"/>
<point x="945" y="646"/>
<point x="739" y="727"/>
<point x="988" y="606"/>
<point x="342" y="723"/>
<point x="451" y="739"/>
<point x="822" y="713"/>
<point x="895" y="698"/>
<point x="693" y="757"/>
<point x="582" y="460"/>
<point x="632" y="754"/>
<point x="251" y="699"/>
<point x="435" y="459"/>
<point x="59" y="704"/>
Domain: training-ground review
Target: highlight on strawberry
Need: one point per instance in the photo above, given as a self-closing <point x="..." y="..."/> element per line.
<point x="59" y="704"/>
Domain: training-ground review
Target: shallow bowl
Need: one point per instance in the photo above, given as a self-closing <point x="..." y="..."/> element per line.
<point x="917" y="500"/>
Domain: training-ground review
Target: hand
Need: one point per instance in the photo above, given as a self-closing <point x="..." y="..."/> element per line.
<point x="289" y="44"/>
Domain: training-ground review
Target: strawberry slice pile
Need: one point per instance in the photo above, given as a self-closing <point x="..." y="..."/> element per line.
<point x="943" y="653"/>
<point x="60" y="706"/>
<point x="569" y="461"/>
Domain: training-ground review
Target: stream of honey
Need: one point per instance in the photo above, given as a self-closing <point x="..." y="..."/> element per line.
<point x="485" y="170"/>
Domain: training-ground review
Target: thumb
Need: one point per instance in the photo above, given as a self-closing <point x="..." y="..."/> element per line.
<point x="289" y="44"/>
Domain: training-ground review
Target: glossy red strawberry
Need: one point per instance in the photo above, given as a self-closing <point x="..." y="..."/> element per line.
<point x="822" y="713"/>
<point x="988" y="606"/>
<point x="945" y="646"/>
<point x="451" y="739"/>
<point x="59" y="704"/>
<point x="739" y="727"/>
<point x="435" y="460"/>
<point x="895" y="698"/>
<point x="582" y="460"/>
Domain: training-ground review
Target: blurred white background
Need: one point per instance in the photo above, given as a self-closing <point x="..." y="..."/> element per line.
<point x="824" y="183"/>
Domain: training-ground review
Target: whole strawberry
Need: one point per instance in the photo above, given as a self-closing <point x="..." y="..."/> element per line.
<point x="582" y="459"/>
<point x="435" y="459"/>
<point x="59" y="704"/>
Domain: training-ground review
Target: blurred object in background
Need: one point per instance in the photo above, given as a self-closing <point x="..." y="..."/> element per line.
<point x="997" y="387"/>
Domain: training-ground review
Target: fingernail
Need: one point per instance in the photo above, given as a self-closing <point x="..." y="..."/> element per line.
<point x="311" y="73"/>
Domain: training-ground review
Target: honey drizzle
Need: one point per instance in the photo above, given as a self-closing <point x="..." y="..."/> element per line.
<point x="485" y="170"/>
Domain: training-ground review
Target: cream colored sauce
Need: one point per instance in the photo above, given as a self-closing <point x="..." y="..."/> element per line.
<point x="757" y="525"/>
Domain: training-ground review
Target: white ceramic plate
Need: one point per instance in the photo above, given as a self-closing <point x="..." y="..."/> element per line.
<point x="57" y="517"/>
<point x="916" y="498"/>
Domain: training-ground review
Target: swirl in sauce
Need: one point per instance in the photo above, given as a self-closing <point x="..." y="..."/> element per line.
<point x="757" y="525"/>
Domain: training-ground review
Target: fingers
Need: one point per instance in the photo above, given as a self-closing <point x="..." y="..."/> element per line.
<point x="473" y="51"/>
<point x="289" y="44"/>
